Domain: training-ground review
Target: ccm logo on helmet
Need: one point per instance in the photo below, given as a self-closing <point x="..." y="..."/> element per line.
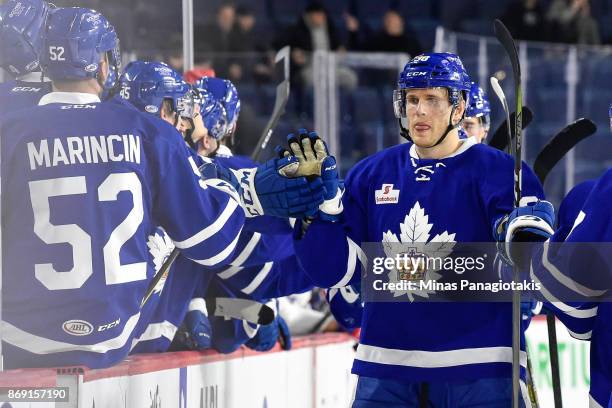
<point x="415" y="74"/>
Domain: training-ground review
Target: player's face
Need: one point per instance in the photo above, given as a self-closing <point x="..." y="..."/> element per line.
<point x="474" y="128"/>
<point x="428" y="112"/>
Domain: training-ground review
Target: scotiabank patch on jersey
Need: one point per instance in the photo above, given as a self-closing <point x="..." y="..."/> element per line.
<point x="386" y="195"/>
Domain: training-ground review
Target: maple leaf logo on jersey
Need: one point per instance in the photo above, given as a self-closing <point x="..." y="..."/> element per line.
<point x="416" y="230"/>
<point x="160" y="246"/>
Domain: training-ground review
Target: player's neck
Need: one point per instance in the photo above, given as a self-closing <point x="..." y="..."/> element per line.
<point x="89" y="86"/>
<point x="449" y="146"/>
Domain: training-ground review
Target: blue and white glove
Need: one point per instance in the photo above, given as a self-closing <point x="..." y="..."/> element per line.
<point x="529" y="223"/>
<point x="198" y="330"/>
<point x="268" y="190"/>
<point x="268" y="335"/>
<point x="315" y="161"/>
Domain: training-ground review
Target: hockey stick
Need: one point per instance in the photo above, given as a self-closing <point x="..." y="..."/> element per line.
<point x="499" y="92"/>
<point x="505" y="38"/>
<point x="548" y="157"/>
<point x="560" y="144"/>
<point x="499" y="139"/>
<point x="282" y="96"/>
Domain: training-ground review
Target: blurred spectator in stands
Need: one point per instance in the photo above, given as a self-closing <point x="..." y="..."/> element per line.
<point x="526" y="20"/>
<point x="572" y="22"/>
<point x="244" y="39"/>
<point x="314" y="31"/>
<point x="215" y="39"/>
<point x="394" y="36"/>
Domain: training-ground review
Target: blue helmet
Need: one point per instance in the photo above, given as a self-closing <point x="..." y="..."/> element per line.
<point x="610" y="114"/>
<point x="22" y="28"/>
<point x="432" y="70"/>
<point x="77" y="41"/>
<point x="223" y="91"/>
<point x="147" y="84"/>
<point x="213" y="113"/>
<point x="478" y="105"/>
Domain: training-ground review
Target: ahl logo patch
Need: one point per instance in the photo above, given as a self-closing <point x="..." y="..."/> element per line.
<point x="77" y="327"/>
<point x="386" y="195"/>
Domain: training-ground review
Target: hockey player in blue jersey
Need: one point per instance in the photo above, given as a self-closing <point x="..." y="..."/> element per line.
<point x="88" y="183"/>
<point x="22" y="27"/>
<point x="444" y="188"/>
<point x="477" y="121"/>
<point x="571" y="268"/>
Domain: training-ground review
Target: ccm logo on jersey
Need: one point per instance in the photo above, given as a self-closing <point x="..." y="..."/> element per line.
<point x="110" y="325"/>
<point x="25" y="89"/>
<point x="386" y="195"/>
<point x="77" y="327"/>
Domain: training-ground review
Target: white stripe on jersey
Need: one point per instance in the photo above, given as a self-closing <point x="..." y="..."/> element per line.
<point x="261" y="275"/>
<point x="355" y="253"/>
<point x="41" y="345"/>
<point x="580" y="336"/>
<point x="210" y="230"/>
<point x="593" y="403"/>
<point x="525" y="394"/>
<point x="437" y="359"/>
<point x="566" y="280"/>
<point x="229" y="272"/>
<point x="155" y="331"/>
<point x="248" y="250"/>
<point x="214" y="260"/>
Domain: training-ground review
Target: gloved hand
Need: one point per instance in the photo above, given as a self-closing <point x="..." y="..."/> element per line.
<point x="314" y="160"/>
<point x="265" y="190"/>
<point x="196" y="331"/>
<point x="529" y="308"/>
<point x="267" y="335"/>
<point x="530" y="223"/>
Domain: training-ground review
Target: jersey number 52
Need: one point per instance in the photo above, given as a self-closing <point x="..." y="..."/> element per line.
<point x="75" y="236"/>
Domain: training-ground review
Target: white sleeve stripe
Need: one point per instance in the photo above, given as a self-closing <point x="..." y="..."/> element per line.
<point x="581" y="336"/>
<point x="229" y="272"/>
<point x="351" y="263"/>
<point x="525" y="394"/>
<point x="567" y="309"/>
<point x="155" y="331"/>
<point x="210" y="230"/>
<point x="593" y="403"/>
<point x="212" y="261"/>
<point x="224" y="186"/>
<point x="261" y="275"/>
<point x="248" y="250"/>
<point x="565" y="280"/>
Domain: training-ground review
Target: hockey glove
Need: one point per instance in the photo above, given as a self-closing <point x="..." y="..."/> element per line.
<point x="529" y="308"/>
<point x="266" y="190"/>
<point x="267" y="335"/>
<point x="314" y="160"/>
<point x="196" y="331"/>
<point x="530" y="223"/>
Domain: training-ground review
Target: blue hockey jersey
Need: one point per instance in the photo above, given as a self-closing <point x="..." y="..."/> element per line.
<point x="85" y="185"/>
<point x="458" y="197"/>
<point x="584" y="218"/>
<point x="22" y="93"/>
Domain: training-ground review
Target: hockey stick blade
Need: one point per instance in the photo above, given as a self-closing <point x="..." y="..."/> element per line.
<point x="499" y="139"/>
<point x="560" y="144"/>
<point x="244" y="309"/>
<point x="282" y="96"/>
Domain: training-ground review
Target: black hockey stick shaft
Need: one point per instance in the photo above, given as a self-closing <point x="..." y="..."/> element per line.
<point x="499" y="139"/>
<point x="505" y="38"/>
<point x="545" y="161"/>
<point x="558" y="146"/>
<point x="163" y="271"/>
<point x="282" y="96"/>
